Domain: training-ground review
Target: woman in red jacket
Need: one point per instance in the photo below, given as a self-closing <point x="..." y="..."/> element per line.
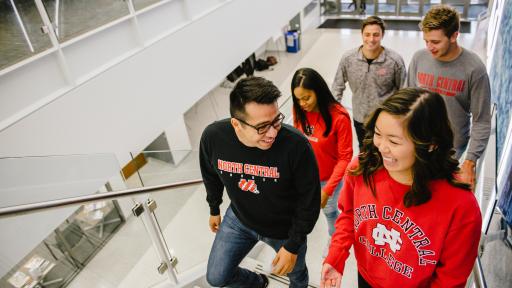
<point x="327" y="126"/>
<point x="411" y="223"/>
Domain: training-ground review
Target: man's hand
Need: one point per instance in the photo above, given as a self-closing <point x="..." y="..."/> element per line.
<point x="324" y="199"/>
<point x="467" y="173"/>
<point x="330" y="278"/>
<point x="283" y="262"/>
<point x="214" y="223"/>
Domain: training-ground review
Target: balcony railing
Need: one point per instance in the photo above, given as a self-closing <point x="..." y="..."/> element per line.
<point x="116" y="237"/>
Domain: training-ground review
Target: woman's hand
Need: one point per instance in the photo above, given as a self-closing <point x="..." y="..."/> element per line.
<point x="467" y="173"/>
<point x="284" y="262"/>
<point x="330" y="278"/>
<point x="324" y="198"/>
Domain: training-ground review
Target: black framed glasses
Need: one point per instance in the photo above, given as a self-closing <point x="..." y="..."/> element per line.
<point x="263" y="128"/>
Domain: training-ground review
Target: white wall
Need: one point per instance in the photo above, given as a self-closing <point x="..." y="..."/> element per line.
<point x="120" y="103"/>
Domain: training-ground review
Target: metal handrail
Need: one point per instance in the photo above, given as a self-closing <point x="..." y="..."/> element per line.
<point x="478" y="274"/>
<point x="45" y="205"/>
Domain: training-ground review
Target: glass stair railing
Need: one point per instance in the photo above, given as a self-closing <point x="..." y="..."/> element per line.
<point x="136" y="231"/>
<point x="57" y="233"/>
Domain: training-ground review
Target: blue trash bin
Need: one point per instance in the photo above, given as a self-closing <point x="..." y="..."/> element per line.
<point x="292" y="41"/>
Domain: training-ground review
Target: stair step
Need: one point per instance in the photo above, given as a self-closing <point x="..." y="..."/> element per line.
<point x="275" y="281"/>
<point x="275" y="278"/>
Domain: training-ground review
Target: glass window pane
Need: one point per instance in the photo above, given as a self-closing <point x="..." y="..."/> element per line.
<point x="178" y="208"/>
<point x="20" y="32"/>
<point x="355" y="6"/>
<point x="409" y="6"/>
<point x="99" y="244"/>
<point x="476" y="9"/>
<point x="348" y="5"/>
<point x="457" y="4"/>
<point x="387" y="6"/>
<point x="74" y="17"/>
<point x="369" y="7"/>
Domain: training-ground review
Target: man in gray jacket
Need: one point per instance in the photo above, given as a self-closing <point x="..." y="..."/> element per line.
<point x="373" y="72"/>
<point x="461" y="78"/>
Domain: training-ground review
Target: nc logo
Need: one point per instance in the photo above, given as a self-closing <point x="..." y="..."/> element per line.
<point x="381" y="235"/>
<point x="248" y="185"/>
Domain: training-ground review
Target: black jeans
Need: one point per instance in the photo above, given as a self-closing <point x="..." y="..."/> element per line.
<point x="360" y="133"/>
<point x="361" y="283"/>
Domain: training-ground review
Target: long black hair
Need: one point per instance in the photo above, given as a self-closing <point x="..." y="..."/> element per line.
<point x="426" y="121"/>
<point x="308" y="78"/>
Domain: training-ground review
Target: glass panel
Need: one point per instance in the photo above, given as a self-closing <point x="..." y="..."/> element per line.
<point x="141" y="4"/>
<point x="477" y="8"/>
<point x="162" y="167"/>
<point x="20" y="32"/>
<point x="369" y="7"/>
<point x="410" y="7"/>
<point x="474" y="10"/>
<point x="159" y="168"/>
<point x="74" y="17"/>
<point x="99" y="244"/>
<point x="329" y="7"/>
<point x="355" y="6"/>
<point x="183" y="215"/>
<point x="457" y="4"/>
<point x="100" y="219"/>
<point x="348" y="5"/>
<point x="427" y="4"/>
<point x="181" y="208"/>
<point x="26" y="180"/>
<point x="387" y="7"/>
<point x="39" y="266"/>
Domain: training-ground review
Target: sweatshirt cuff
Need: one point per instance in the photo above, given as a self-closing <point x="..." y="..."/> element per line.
<point x="328" y="190"/>
<point x="337" y="261"/>
<point x="292" y="246"/>
<point x="471" y="156"/>
<point x="214" y="211"/>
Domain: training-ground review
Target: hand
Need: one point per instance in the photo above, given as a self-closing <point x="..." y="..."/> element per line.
<point x="214" y="223"/>
<point x="324" y="199"/>
<point x="330" y="278"/>
<point x="467" y="173"/>
<point x="284" y="262"/>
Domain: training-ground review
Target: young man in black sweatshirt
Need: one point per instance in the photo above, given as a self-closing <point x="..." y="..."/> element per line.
<point x="271" y="177"/>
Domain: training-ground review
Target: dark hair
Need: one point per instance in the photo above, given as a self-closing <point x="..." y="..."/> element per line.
<point x="426" y="122"/>
<point x="251" y="89"/>
<point x="442" y="17"/>
<point x="374" y="20"/>
<point x="308" y="78"/>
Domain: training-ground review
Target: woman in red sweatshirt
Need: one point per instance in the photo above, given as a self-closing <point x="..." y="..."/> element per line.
<point x="327" y="126"/>
<point x="411" y="223"/>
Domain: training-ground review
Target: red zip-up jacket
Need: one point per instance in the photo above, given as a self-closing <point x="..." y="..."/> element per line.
<point x="334" y="152"/>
